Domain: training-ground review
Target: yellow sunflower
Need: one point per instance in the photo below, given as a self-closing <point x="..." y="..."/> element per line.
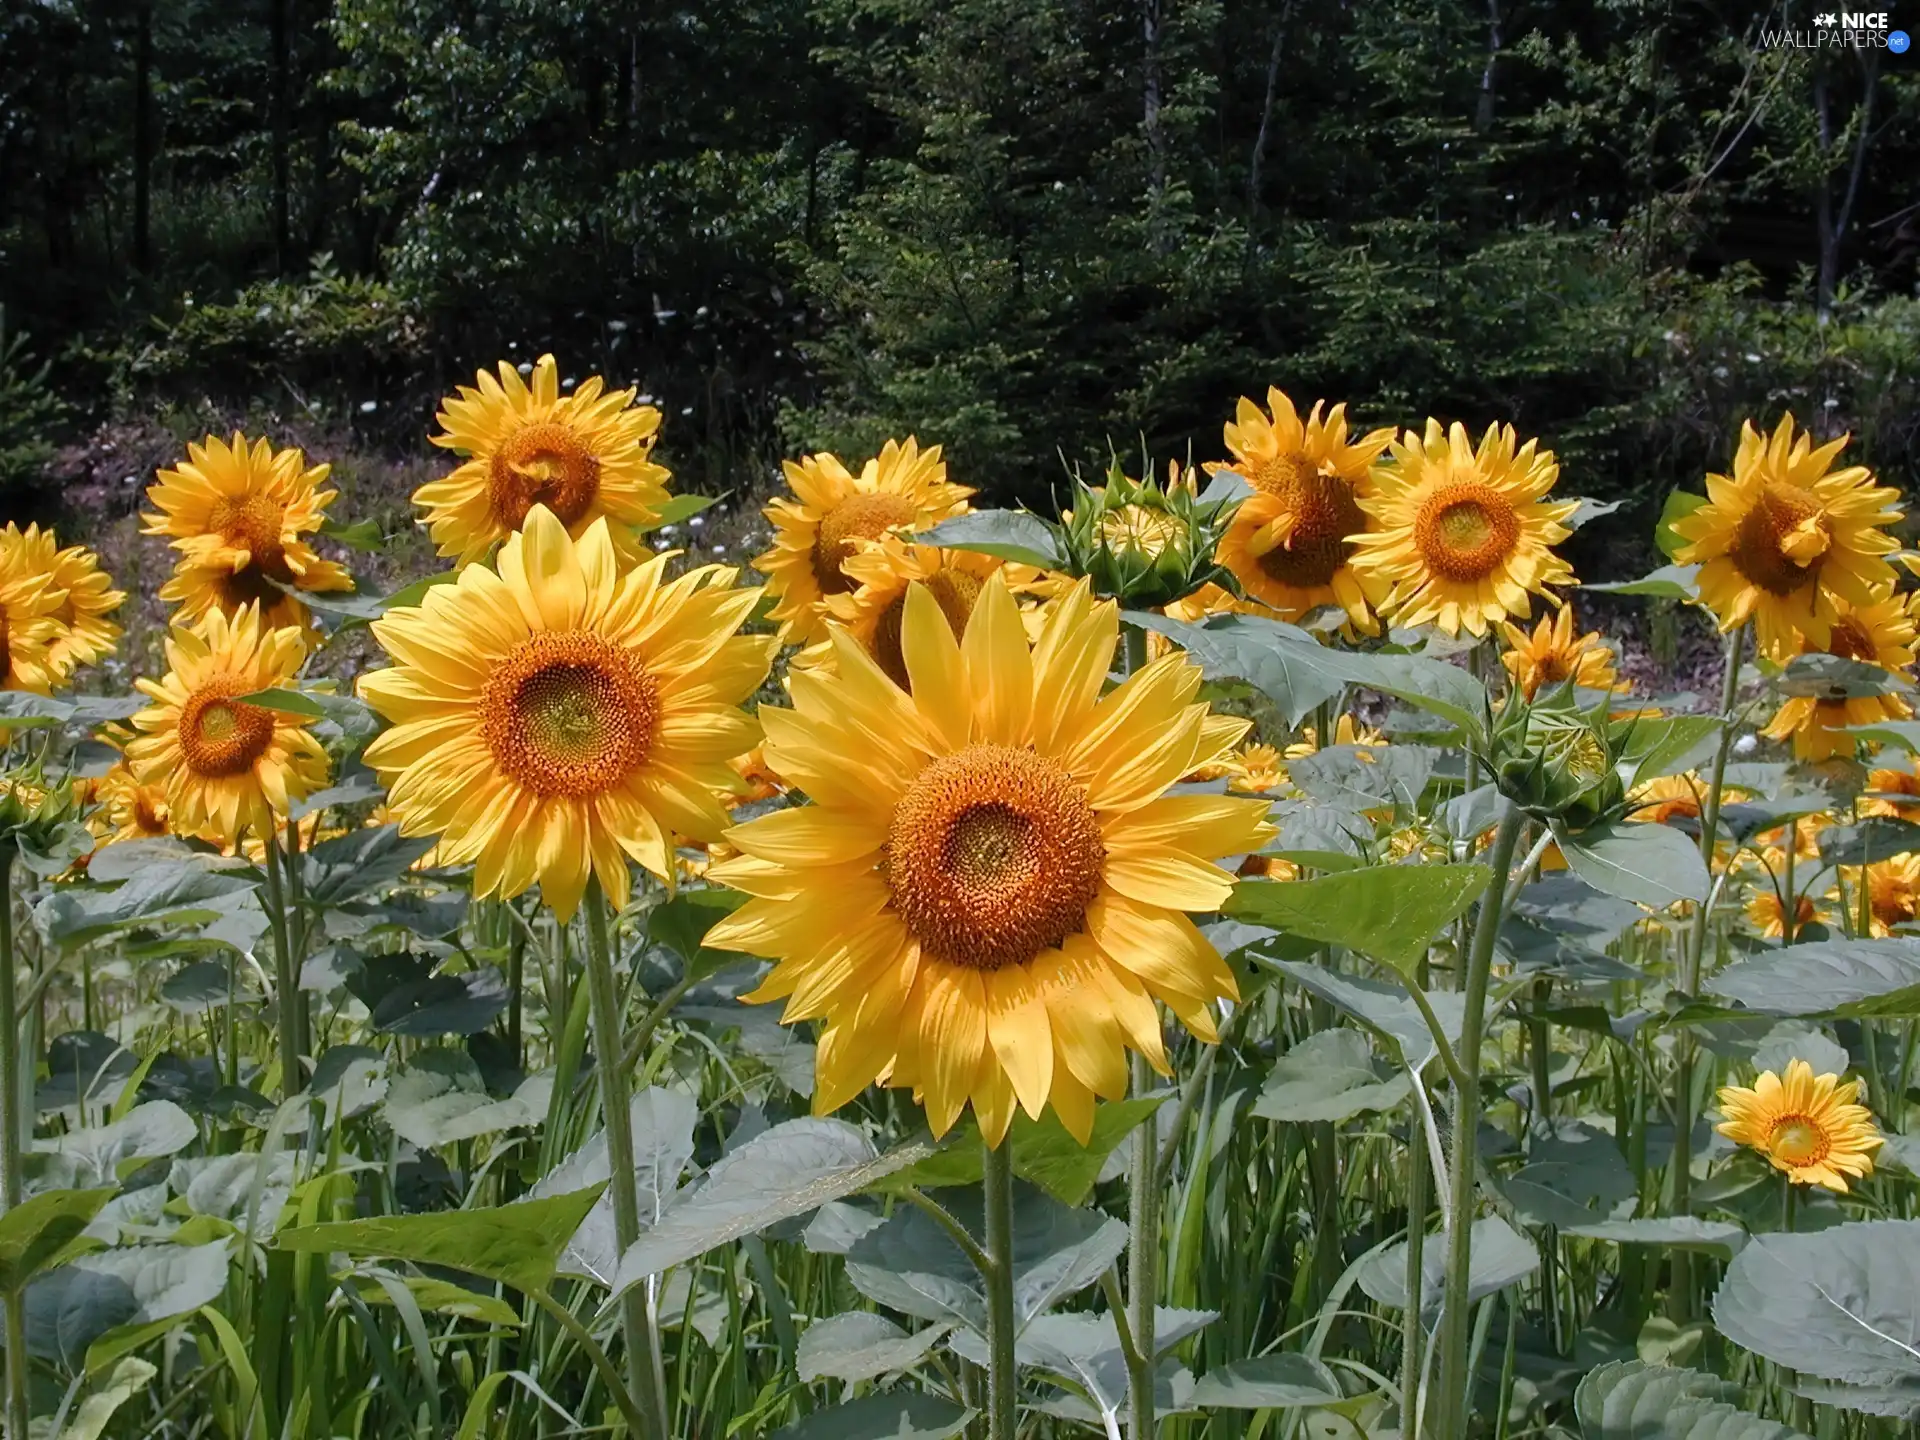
<point x="1291" y="542"/>
<point x="1892" y="792"/>
<point x="236" y="513"/>
<point x="1461" y="537"/>
<point x="1258" y="769"/>
<point x="226" y="767"/>
<point x="1346" y="731"/>
<point x="582" y="456"/>
<point x="817" y="531"/>
<point x="1552" y="656"/>
<point x="85" y="635"/>
<point x="1806" y="1125"/>
<point x="987" y="894"/>
<point x="1893" y="893"/>
<point x="1768" y="916"/>
<point x="1878" y="634"/>
<point x="560" y="716"/>
<point x="30" y="607"/>
<point x="125" y="809"/>
<point x="1782" y="539"/>
<point x="1668" y="797"/>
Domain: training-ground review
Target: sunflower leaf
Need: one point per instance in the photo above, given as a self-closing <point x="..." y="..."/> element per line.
<point x="1630" y="1400"/>
<point x="674" y="510"/>
<point x="1268" y="1382"/>
<point x="1679" y="505"/>
<point x="1389" y="912"/>
<point x="1009" y="534"/>
<point x="896" y="1415"/>
<point x="1849" y="979"/>
<point x="1650" y="865"/>
<point x="1669" y="582"/>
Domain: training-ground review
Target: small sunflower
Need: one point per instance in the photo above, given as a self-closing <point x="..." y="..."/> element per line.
<point x="1259" y="769"/>
<point x="1461" y="537"/>
<point x="1346" y="731"/>
<point x="1784" y="538"/>
<point x="988" y="892"/>
<point x="1668" y="797"/>
<point x="1893" y="893"/>
<point x="227" y="767"/>
<point x="582" y="456"/>
<point x="560" y="716"/>
<point x="1806" y="1125"/>
<point x="237" y="514"/>
<point x="1768" y="915"/>
<point x="126" y="809"/>
<point x="1892" y="792"/>
<point x="1291" y="542"/>
<point x="85" y="635"/>
<point x="1878" y="634"/>
<point x="819" y="529"/>
<point x="30" y="607"/>
<point x="1552" y="656"/>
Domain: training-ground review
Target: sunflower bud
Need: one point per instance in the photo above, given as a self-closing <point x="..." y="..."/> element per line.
<point x="39" y="819"/>
<point x="1142" y="543"/>
<point x="1555" y="760"/>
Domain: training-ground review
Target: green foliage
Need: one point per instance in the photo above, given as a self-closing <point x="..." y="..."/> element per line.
<point x="32" y="413"/>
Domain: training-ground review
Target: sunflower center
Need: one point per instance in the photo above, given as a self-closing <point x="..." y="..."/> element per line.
<point x="257" y="522"/>
<point x="1851" y="641"/>
<point x="864" y="516"/>
<point x="1324" y="514"/>
<point x="148" y="818"/>
<point x="1798" y="1140"/>
<point x="543" y="464"/>
<point x="567" y="713"/>
<point x="1465" y="530"/>
<point x="993" y="856"/>
<point x="954" y="590"/>
<point x="1780" y="541"/>
<point x="221" y="736"/>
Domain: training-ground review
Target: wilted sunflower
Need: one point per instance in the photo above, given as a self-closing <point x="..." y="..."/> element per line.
<point x="1290" y="543"/>
<point x="583" y="455"/>
<point x="236" y="513"/>
<point x="1768" y="915"/>
<point x="987" y="893"/>
<point x="1805" y="1124"/>
<point x="1552" y="656"/>
<point x="227" y="767"/>
<point x="559" y="716"/>
<point x="1892" y="792"/>
<point x="1878" y="634"/>
<point x="817" y="531"/>
<point x="85" y="634"/>
<point x="1781" y="540"/>
<point x="1461" y="537"/>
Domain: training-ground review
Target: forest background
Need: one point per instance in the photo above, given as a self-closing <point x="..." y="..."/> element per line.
<point x="1028" y="230"/>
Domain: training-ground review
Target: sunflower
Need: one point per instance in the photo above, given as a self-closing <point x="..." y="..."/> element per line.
<point x="1768" y="915"/>
<point x="755" y="779"/>
<point x="1893" y="893"/>
<point x="1346" y="731"/>
<point x="1291" y="542"/>
<point x="1668" y="797"/>
<point x="1805" y="1124"/>
<point x="30" y="607"/>
<point x="84" y="636"/>
<point x="987" y="893"/>
<point x="1552" y="656"/>
<point x="236" y="513"/>
<point x="1878" y="634"/>
<point x="582" y="456"/>
<point x="1460" y="537"/>
<point x="126" y="809"/>
<point x="1892" y="792"/>
<point x="817" y="531"/>
<point x="560" y="716"/>
<point x="226" y="767"/>
<point x="1782" y="539"/>
<point x="1258" y="769"/>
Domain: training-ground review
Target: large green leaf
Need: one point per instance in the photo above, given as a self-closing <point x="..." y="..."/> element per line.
<point x="70" y="1308"/>
<point x="662" y="1123"/>
<point x="1268" y="1382"/>
<point x="897" y="1415"/>
<point x="1390" y="912"/>
<point x="1679" y="504"/>
<point x="674" y="510"/>
<point x="1009" y="534"/>
<point x="1669" y="582"/>
<point x="1879" y="837"/>
<point x="96" y="1412"/>
<point x="795" y="1167"/>
<point x="1329" y="1076"/>
<point x="1043" y="1151"/>
<point x="1841" y="1304"/>
<point x="105" y="1153"/>
<point x="1679" y="1232"/>
<point x="1648" y="864"/>
<point x="1500" y="1257"/>
<point x="1384" y="1008"/>
<point x="1846" y="978"/>
<point x="1653" y="748"/>
<point x="182" y="893"/>
<point x="518" y="1245"/>
<point x="1085" y="1350"/>
<point x="862" y="1346"/>
<point x="1628" y="1400"/>
<point x="440" y="1099"/>
<point x="45" y="1231"/>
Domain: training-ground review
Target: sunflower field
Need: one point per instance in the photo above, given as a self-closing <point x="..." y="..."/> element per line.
<point x="1232" y="959"/>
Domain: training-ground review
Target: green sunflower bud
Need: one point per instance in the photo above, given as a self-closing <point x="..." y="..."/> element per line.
<point x="1556" y="760"/>
<point x="1142" y="543"/>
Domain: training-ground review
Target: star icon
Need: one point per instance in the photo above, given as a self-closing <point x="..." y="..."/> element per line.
<point x="1826" y="21"/>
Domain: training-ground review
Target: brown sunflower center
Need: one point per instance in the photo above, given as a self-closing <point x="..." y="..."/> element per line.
<point x="1798" y="1140"/>
<point x="1780" y="540"/>
<point x="954" y="590"/>
<point x="567" y="713"/>
<point x="1851" y="641"/>
<point x="1324" y="514"/>
<point x="221" y="736"/>
<point x="993" y="856"/>
<point x="545" y="463"/>
<point x="148" y="817"/>
<point x="863" y="516"/>
<point x="1465" y="531"/>
<point x="256" y="521"/>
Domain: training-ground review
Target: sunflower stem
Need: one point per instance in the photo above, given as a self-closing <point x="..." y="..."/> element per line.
<point x="1456" y="1316"/>
<point x="1692" y="960"/>
<point x="1002" y="1384"/>
<point x="644" y="1377"/>
<point x="18" y="1413"/>
<point x="286" y="975"/>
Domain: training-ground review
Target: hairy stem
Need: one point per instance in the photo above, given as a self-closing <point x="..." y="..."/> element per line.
<point x="1002" y="1385"/>
<point x="10" y="1127"/>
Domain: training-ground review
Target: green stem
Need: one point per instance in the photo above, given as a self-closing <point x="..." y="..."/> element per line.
<point x="286" y="975"/>
<point x="603" y="1001"/>
<point x="1413" y="1330"/>
<point x="1143" y="1206"/>
<point x="1692" y="961"/>
<point x="18" y="1413"/>
<point x="597" y="1358"/>
<point x="1456" y="1317"/>
<point x="1002" y="1384"/>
